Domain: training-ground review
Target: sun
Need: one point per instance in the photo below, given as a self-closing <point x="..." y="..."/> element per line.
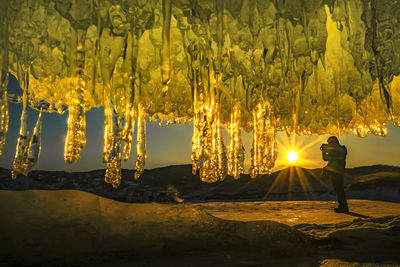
<point x="292" y="156"/>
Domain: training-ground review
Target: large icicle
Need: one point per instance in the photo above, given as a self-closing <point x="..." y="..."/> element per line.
<point x="4" y="117"/>
<point x="108" y="129"/>
<point x="111" y="47"/>
<point x="264" y="148"/>
<point x="220" y="148"/>
<point x="128" y="130"/>
<point x="34" y="146"/>
<point x="196" y="146"/>
<point x="197" y="126"/>
<point x="212" y="150"/>
<point x="76" y="133"/>
<point x="208" y="149"/>
<point x="29" y="149"/>
<point x="129" y="126"/>
<point x="22" y="143"/>
<point x="254" y="152"/>
<point x="208" y="167"/>
<point x="269" y="147"/>
<point x="113" y="159"/>
<point x="220" y="30"/>
<point x="165" y="48"/>
<point x="141" y="142"/>
<point x="235" y="148"/>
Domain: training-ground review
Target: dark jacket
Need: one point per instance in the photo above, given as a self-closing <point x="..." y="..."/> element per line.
<point x="335" y="155"/>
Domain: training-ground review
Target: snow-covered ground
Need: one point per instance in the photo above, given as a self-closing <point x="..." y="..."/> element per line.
<point x="69" y="227"/>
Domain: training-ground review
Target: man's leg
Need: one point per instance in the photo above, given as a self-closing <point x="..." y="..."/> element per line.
<point x="338" y="185"/>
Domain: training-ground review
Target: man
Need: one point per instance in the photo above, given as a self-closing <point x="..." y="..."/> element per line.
<point x="335" y="154"/>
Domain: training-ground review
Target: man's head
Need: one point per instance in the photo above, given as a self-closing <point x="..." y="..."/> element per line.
<point x="333" y="140"/>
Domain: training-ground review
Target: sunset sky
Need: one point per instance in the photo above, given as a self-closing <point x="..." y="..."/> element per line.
<point x="172" y="145"/>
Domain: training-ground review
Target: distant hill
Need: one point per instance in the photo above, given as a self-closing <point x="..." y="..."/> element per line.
<point x="376" y="182"/>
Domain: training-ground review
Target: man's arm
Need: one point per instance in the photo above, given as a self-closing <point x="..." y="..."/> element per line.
<point x="339" y="153"/>
<point x="325" y="155"/>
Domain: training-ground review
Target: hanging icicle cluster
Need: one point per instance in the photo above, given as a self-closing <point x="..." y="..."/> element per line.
<point x="264" y="148"/>
<point x="324" y="67"/>
<point x="208" y="150"/>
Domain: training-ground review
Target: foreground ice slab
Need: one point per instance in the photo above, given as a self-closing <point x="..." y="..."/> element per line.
<point x="67" y="227"/>
<point x="91" y="225"/>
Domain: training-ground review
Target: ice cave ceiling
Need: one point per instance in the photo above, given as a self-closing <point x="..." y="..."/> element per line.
<point x="300" y="66"/>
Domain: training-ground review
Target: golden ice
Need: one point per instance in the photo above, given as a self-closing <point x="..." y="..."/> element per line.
<point x="256" y="66"/>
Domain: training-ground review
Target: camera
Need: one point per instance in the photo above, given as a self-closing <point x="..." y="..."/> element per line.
<point x="324" y="147"/>
<point x="325" y="151"/>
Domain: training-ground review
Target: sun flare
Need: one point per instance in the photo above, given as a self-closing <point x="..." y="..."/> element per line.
<point x="295" y="160"/>
<point x="292" y="156"/>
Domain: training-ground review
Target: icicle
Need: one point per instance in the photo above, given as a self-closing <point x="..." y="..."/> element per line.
<point x="141" y="142"/>
<point x="165" y="49"/>
<point x="220" y="31"/>
<point x="196" y="147"/>
<point x="381" y="64"/>
<point x="208" y="149"/>
<point x="213" y="154"/>
<point x="113" y="171"/>
<point x="4" y="116"/>
<point x="4" y="35"/>
<point x="76" y="133"/>
<point x="220" y="149"/>
<point x="269" y="148"/>
<point x="34" y="146"/>
<point x="254" y="153"/>
<point x="197" y="131"/>
<point x="108" y="129"/>
<point x="128" y="131"/>
<point x="235" y="148"/>
<point x="130" y="111"/>
<point x="264" y="149"/>
<point x="378" y="129"/>
<point x="360" y="130"/>
<point x="22" y="143"/>
<point x="396" y="120"/>
<point x="208" y="170"/>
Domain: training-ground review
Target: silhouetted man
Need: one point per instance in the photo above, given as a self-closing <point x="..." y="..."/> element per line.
<point x="335" y="154"/>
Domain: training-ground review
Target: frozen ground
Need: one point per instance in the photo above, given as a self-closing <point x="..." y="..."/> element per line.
<point x="68" y="227"/>
<point x="299" y="212"/>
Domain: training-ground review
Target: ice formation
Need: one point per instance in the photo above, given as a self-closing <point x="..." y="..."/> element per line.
<point x="304" y="67"/>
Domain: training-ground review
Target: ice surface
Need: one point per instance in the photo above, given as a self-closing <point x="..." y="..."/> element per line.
<point x="67" y="227"/>
<point x="90" y="225"/>
<point x="317" y="67"/>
